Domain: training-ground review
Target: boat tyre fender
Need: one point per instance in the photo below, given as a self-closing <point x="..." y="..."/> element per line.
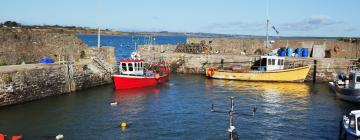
<point x="210" y="72"/>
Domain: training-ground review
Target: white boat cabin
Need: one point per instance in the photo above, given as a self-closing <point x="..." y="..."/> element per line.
<point x="352" y="122"/>
<point x="354" y="79"/>
<point x="270" y="63"/>
<point x="131" y="67"/>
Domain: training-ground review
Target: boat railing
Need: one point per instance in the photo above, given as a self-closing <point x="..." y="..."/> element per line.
<point x="293" y="64"/>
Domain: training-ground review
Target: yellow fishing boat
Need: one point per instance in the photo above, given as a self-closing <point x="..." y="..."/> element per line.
<point x="270" y="69"/>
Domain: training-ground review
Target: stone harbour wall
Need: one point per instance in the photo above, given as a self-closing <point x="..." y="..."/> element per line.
<point x="241" y="46"/>
<point x="29" y="82"/>
<point x="76" y="66"/>
<point x="326" y="68"/>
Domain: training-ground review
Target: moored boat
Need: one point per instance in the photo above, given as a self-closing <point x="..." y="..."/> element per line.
<point x="350" y="126"/>
<point x="132" y="74"/>
<point x="347" y="88"/>
<point x="270" y="69"/>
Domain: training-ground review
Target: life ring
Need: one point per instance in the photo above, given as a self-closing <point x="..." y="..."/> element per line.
<point x="210" y="72"/>
<point x="336" y="48"/>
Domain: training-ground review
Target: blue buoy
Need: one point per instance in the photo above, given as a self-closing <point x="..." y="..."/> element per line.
<point x="305" y="52"/>
<point x="298" y="52"/>
<point x="289" y="51"/>
<point x="282" y="52"/>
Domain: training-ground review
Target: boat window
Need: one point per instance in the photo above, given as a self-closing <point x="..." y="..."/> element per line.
<point x="279" y="61"/>
<point x="273" y="62"/>
<point x="130" y="65"/>
<point x="358" y="123"/>
<point x="123" y="66"/>
<point x="135" y="66"/>
<point x="351" y="78"/>
<point x="358" y="79"/>
<point x="269" y="62"/>
<point x="352" y="122"/>
<point x="263" y="62"/>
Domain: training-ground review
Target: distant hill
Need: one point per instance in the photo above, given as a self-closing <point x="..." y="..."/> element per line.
<point x="88" y="30"/>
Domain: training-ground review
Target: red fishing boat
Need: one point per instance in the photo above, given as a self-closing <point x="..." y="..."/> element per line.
<point x="132" y="74"/>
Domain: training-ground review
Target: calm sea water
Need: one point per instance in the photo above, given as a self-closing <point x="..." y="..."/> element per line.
<point x="181" y="110"/>
<point x="125" y="45"/>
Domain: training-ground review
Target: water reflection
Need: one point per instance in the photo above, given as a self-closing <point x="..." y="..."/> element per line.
<point x="279" y="102"/>
<point x="133" y="100"/>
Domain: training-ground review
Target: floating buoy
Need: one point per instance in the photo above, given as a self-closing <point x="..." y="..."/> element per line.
<point x="16" y="138"/>
<point x="59" y="137"/>
<point x="157" y="76"/>
<point x="113" y="104"/>
<point x="210" y="72"/>
<point x="123" y="125"/>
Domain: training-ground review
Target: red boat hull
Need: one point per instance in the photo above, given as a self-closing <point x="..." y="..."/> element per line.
<point x="127" y="82"/>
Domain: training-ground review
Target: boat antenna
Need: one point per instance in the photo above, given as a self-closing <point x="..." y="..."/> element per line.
<point x="267" y="24"/>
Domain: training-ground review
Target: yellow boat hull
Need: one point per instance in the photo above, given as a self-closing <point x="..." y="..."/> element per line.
<point x="288" y="75"/>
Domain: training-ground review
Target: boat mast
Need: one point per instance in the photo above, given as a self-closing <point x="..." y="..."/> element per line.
<point x="98" y="42"/>
<point x="267" y="24"/>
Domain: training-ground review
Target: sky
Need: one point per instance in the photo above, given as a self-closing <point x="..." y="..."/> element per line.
<point x="327" y="18"/>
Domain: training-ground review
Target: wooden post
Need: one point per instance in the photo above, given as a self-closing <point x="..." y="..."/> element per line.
<point x="314" y="72"/>
<point x="222" y="63"/>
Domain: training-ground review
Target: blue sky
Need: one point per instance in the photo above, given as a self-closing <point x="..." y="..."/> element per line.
<point x="246" y="17"/>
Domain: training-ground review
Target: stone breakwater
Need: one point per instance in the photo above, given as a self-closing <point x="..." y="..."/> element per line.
<point x="29" y="82"/>
<point x="326" y="68"/>
<point x="334" y="48"/>
<point x="81" y="66"/>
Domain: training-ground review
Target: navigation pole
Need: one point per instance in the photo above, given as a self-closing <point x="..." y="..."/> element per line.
<point x="98" y="42"/>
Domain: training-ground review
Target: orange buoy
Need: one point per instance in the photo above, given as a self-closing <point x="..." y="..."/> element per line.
<point x="210" y="72"/>
<point x="2" y="137"/>
<point x="157" y="76"/>
<point x="16" y="138"/>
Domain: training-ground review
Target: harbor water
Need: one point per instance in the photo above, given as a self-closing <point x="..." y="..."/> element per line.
<point x="125" y="45"/>
<point x="180" y="109"/>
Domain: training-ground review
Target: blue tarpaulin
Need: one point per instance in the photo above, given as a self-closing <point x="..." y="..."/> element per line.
<point x="47" y="60"/>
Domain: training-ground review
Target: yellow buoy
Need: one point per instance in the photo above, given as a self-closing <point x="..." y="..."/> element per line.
<point x="123" y="125"/>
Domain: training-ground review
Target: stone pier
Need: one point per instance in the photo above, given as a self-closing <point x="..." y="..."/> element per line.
<point x="327" y="68"/>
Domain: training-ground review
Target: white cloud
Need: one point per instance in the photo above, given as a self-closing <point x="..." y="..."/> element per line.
<point x="235" y="26"/>
<point x="312" y="23"/>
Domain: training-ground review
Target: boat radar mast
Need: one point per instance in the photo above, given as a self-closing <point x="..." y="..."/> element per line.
<point x="267" y="25"/>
